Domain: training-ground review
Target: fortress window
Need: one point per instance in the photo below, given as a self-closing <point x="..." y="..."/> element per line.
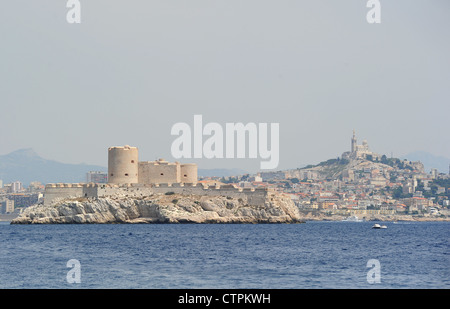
<point x="126" y="174"/>
<point x="185" y="175"/>
<point x="132" y="161"/>
<point x="162" y="174"/>
<point x="112" y="174"/>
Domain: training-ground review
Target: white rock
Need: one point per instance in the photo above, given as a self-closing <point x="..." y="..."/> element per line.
<point x="175" y="208"/>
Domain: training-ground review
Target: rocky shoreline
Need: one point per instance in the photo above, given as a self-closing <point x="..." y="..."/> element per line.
<point x="176" y="208"/>
<point x="161" y="208"/>
<point x="314" y="216"/>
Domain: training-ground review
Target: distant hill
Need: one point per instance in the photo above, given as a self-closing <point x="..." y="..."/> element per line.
<point x="26" y="166"/>
<point x="336" y="168"/>
<point x="429" y="160"/>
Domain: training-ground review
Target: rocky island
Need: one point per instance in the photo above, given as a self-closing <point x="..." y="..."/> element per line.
<point x="162" y="208"/>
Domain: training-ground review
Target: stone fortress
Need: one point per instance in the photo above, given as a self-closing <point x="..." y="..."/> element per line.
<point x="124" y="167"/>
<point x="129" y="177"/>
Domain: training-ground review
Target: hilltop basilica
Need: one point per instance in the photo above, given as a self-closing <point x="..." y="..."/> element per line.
<point x="359" y="151"/>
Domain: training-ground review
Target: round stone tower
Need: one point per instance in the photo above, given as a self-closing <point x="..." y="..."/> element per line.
<point x="188" y="173"/>
<point x="123" y="164"/>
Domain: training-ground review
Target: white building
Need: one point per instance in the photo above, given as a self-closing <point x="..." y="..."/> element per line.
<point x="15" y="187"/>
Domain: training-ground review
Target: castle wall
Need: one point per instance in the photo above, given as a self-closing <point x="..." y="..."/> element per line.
<point x="251" y="196"/>
<point x="91" y="189"/>
<point x="188" y="173"/>
<point x="61" y="190"/>
<point x="123" y="165"/>
<point x="159" y="172"/>
<point x="129" y="190"/>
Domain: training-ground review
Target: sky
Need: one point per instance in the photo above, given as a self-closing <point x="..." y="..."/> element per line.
<point x="132" y="69"/>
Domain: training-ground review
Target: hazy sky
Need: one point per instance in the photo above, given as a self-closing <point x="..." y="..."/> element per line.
<point x="133" y="68"/>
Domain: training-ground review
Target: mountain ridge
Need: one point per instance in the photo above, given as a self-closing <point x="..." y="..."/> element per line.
<point x="25" y="165"/>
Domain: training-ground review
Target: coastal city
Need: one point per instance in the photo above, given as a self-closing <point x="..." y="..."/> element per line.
<point x="360" y="184"/>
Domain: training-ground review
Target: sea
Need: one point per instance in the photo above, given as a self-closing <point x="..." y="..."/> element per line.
<point x="312" y="255"/>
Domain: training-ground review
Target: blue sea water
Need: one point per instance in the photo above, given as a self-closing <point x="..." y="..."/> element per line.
<point x="264" y="256"/>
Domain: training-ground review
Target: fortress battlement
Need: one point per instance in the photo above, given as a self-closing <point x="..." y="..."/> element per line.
<point x="160" y="162"/>
<point x="254" y="196"/>
<point x="64" y="185"/>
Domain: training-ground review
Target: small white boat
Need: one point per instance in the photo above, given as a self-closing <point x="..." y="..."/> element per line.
<point x="353" y="219"/>
<point x="377" y="226"/>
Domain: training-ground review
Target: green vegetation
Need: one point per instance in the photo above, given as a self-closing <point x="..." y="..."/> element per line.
<point x="329" y="162"/>
<point x="233" y="179"/>
<point x="396" y="163"/>
<point x="442" y="182"/>
<point x="334" y="161"/>
<point x="397" y="193"/>
<point x="434" y="186"/>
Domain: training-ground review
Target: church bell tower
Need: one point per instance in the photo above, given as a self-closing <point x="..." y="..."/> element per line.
<point x="354" y="142"/>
